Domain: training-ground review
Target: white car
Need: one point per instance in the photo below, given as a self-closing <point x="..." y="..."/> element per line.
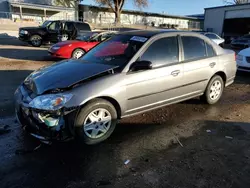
<point x="217" y="39"/>
<point x="243" y="60"/>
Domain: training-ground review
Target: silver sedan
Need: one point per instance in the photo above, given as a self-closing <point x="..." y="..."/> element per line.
<point x="130" y="73"/>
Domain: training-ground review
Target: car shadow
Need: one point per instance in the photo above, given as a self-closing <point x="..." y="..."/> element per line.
<point x="27" y="53"/>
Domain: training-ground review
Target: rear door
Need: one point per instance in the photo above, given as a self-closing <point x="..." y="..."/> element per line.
<point x="70" y="30"/>
<point x="199" y="63"/>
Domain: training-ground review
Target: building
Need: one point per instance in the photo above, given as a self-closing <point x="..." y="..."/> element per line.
<point x="102" y="15"/>
<point x="40" y="10"/>
<point x="35" y="10"/>
<point x="228" y="21"/>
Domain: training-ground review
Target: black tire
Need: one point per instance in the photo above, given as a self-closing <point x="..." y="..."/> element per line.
<point x="78" y="50"/>
<point x="206" y="97"/>
<point x="36" y="40"/>
<point x="84" y="113"/>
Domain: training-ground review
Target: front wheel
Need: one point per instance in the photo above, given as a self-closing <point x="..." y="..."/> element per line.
<point x="78" y="53"/>
<point x="214" y="90"/>
<point x="36" y="40"/>
<point x="96" y="121"/>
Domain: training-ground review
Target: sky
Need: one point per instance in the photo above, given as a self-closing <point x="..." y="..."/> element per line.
<point x="175" y="7"/>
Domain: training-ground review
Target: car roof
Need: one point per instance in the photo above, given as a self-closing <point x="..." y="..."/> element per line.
<point x="149" y="33"/>
<point x="69" y="21"/>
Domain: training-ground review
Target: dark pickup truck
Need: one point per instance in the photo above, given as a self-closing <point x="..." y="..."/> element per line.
<point x="52" y="32"/>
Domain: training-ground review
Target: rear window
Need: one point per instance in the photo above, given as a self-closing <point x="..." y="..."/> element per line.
<point x="83" y="26"/>
<point x="212" y="36"/>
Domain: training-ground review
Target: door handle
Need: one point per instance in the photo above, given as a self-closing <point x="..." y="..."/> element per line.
<point x="175" y="73"/>
<point x="212" y="64"/>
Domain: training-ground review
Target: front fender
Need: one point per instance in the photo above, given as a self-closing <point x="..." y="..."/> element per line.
<point x="111" y="86"/>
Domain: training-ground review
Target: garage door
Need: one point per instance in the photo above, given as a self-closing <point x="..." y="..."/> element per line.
<point x="243" y="13"/>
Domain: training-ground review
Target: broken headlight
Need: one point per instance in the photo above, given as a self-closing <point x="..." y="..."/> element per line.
<point x="50" y="101"/>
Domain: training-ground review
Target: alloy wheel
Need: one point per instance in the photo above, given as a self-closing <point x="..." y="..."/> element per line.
<point x="97" y="123"/>
<point x="215" y="90"/>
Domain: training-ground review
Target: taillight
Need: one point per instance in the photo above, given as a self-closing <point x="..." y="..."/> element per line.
<point x="235" y="56"/>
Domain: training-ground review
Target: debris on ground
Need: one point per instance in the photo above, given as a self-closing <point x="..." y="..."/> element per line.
<point x="229" y="137"/>
<point x="4" y="129"/>
<point x="133" y="169"/>
<point x="103" y="182"/>
<point x="126" y="162"/>
<point x="179" y="141"/>
<point x="25" y="151"/>
<point x="208" y="131"/>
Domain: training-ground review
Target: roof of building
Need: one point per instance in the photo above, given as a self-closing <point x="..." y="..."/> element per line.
<point x="40" y="6"/>
<point x="227" y="6"/>
<point x="143" y="13"/>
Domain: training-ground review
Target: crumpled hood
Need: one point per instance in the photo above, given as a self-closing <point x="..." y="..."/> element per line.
<point x="63" y="75"/>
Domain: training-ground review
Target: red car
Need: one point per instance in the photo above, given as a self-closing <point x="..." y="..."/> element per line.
<point x="77" y="48"/>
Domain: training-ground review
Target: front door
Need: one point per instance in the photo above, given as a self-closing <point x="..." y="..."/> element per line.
<point x="54" y="29"/>
<point x="160" y="85"/>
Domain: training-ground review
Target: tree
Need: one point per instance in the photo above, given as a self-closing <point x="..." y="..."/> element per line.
<point x="236" y="2"/>
<point x="117" y="5"/>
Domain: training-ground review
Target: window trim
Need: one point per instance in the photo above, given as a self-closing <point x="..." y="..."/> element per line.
<point x="190" y="60"/>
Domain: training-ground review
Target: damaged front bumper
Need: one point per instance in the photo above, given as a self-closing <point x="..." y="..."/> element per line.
<point x="44" y="125"/>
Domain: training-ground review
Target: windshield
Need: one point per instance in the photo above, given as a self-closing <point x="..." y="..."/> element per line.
<point x="117" y="50"/>
<point x="86" y="36"/>
<point x="46" y="23"/>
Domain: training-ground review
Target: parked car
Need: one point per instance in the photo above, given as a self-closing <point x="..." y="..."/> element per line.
<point x="214" y="37"/>
<point x="243" y="60"/>
<point x="77" y="48"/>
<point x="130" y="73"/>
<point x="52" y="32"/>
<point x="241" y="42"/>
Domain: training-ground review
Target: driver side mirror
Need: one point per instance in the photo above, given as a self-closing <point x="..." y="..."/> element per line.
<point x="140" y="66"/>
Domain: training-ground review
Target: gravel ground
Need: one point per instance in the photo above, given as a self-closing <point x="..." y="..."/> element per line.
<point x="189" y="144"/>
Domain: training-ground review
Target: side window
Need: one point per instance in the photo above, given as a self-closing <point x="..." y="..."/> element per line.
<point x="194" y="48"/>
<point x="83" y="27"/>
<point x="54" y="26"/>
<point x="212" y="36"/>
<point x="163" y="51"/>
<point x="69" y="26"/>
<point x="210" y="50"/>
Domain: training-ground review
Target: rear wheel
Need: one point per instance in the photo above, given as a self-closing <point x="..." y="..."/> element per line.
<point x="78" y="53"/>
<point x="96" y="121"/>
<point x="36" y="40"/>
<point x="214" y="90"/>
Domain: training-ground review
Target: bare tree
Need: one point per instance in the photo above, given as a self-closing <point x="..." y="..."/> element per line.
<point x="117" y="5"/>
<point x="235" y="2"/>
